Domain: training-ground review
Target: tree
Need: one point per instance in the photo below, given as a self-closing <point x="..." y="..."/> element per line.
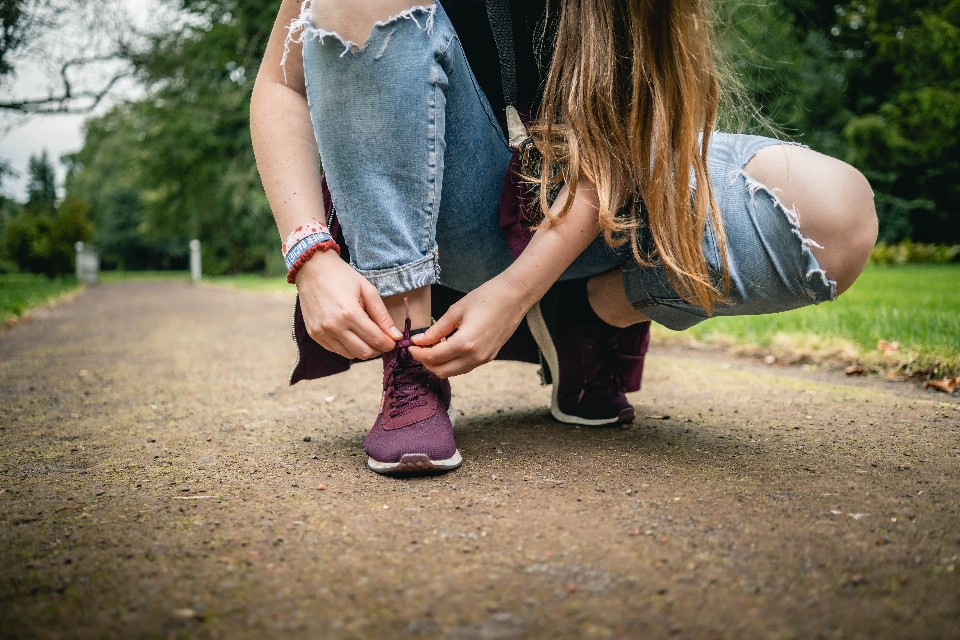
<point x="83" y="65"/>
<point x="873" y="82"/>
<point x="42" y="186"/>
<point x="186" y="148"/>
<point x="40" y="237"/>
<point x="107" y="173"/>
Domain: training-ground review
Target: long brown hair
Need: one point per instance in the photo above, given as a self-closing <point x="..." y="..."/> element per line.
<point x="630" y="102"/>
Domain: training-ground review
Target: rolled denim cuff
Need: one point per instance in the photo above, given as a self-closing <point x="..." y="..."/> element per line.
<point x="297" y="250"/>
<point x="407" y="277"/>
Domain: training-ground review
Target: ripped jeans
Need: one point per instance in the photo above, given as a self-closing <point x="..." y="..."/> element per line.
<point x="415" y="160"/>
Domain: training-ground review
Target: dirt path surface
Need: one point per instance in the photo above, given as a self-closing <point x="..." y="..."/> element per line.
<point x="156" y="481"/>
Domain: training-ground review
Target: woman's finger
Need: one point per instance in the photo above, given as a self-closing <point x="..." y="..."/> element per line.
<point x="436" y="354"/>
<point x="359" y="347"/>
<point x="367" y="331"/>
<point x="451" y="368"/>
<point x="447" y="324"/>
<point x="373" y="305"/>
<point x="334" y="345"/>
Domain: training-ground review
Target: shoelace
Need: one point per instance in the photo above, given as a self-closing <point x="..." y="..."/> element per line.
<point x="606" y="371"/>
<point x="404" y="378"/>
<point x="406" y="388"/>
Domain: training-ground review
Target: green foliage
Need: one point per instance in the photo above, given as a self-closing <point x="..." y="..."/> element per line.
<point x="873" y="82"/>
<point x="42" y="186"/>
<point x="8" y="210"/>
<point x="44" y="244"/>
<point x="11" y="32"/>
<point x="179" y="164"/>
<point x="909" y="252"/>
<point x="40" y="237"/>
<point x="106" y="172"/>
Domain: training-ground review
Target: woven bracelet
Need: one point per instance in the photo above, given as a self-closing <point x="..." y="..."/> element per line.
<point x="307" y="254"/>
<point x="302" y="243"/>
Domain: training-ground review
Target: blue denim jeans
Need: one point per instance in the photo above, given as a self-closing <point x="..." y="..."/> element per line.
<point x="415" y="160"/>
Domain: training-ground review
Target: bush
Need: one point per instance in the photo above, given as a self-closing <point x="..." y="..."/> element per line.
<point x="44" y="243"/>
<point x="909" y="252"/>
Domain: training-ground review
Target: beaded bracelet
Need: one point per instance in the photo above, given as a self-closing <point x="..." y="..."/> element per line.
<point x="302" y="243"/>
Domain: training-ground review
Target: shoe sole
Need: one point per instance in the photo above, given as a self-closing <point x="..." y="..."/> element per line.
<point x="538" y="327"/>
<point x="418" y="462"/>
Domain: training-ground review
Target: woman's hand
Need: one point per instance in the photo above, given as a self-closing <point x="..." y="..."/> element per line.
<point x="343" y="312"/>
<point x="472" y="331"/>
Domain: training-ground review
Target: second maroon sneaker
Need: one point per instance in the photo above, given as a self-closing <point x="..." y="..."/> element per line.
<point x="580" y="360"/>
<point x="414" y="430"/>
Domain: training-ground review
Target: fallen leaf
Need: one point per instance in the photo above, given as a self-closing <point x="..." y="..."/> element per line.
<point x="888" y="347"/>
<point x="855" y="370"/>
<point x="947" y="385"/>
<point x="893" y="376"/>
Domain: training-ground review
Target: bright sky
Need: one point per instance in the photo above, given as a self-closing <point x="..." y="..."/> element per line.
<point x="58" y="134"/>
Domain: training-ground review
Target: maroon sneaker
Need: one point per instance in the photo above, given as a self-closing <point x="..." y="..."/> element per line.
<point x="414" y="431"/>
<point x="580" y="360"/>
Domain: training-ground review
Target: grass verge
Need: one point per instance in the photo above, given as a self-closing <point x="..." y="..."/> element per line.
<point x="23" y="291"/>
<point x="247" y="281"/>
<point x="253" y="282"/>
<point x="917" y="306"/>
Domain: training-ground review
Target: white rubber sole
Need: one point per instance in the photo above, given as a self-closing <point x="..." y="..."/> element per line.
<point x="538" y="327"/>
<point x="417" y="462"/>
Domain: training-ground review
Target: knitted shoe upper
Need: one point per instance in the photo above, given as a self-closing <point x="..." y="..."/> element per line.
<point x="413" y="410"/>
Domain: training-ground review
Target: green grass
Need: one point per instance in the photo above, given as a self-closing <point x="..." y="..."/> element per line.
<point x="247" y="281"/>
<point x="915" y="305"/>
<point x="21" y="292"/>
<point x="129" y="276"/>
<point x="253" y="282"/>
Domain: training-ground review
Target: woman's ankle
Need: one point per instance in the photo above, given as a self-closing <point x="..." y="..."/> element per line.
<point x="419" y="305"/>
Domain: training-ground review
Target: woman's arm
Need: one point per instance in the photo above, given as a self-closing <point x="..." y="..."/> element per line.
<point x="343" y="312"/>
<point x="486" y="317"/>
<point x="283" y="139"/>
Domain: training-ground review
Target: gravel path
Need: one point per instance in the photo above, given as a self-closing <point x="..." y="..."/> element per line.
<point x="159" y="479"/>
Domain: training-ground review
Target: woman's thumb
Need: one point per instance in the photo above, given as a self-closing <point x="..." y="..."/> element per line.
<point x="443" y="327"/>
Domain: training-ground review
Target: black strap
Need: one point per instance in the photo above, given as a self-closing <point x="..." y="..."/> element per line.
<point x="501" y="22"/>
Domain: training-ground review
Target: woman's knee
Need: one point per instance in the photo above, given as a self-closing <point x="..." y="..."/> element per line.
<point x="353" y="20"/>
<point x="833" y="202"/>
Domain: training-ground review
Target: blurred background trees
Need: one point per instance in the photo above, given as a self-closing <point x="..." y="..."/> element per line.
<point x="179" y="164"/>
<point x="39" y="236"/>
<point x="873" y="82"/>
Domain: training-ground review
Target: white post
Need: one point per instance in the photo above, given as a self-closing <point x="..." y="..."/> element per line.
<point x="195" y="268"/>
<point x="88" y="263"/>
<point x="79" y="261"/>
